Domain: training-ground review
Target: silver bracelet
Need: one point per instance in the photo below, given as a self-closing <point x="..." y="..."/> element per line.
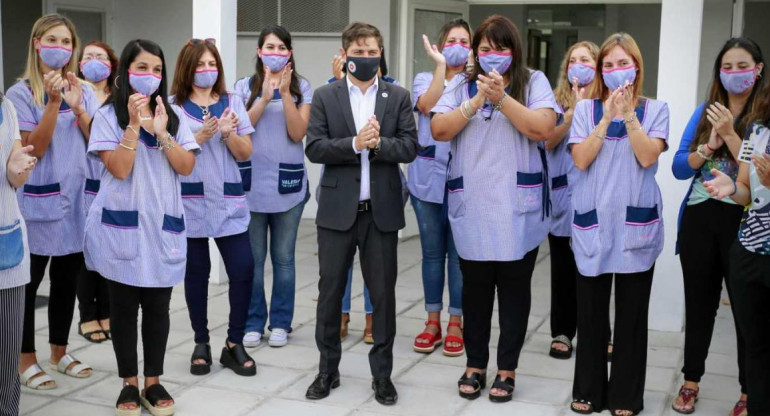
<point x="701" y="153"/>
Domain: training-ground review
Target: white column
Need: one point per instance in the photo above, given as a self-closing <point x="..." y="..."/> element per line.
<point x="217" y="19"/>
<point x="680" y="38"/>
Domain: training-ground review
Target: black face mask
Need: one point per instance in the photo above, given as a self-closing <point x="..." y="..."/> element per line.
<point x="363" y="68"/>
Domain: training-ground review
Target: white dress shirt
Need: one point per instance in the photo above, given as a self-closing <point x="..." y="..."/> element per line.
<point x="363" y="108"/>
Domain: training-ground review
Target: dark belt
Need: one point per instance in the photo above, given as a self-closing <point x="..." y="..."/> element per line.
<point x="365" y="205"/>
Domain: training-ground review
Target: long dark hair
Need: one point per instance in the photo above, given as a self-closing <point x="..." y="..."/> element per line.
<point x="500" y="32"/>
<point x="718" y="94"/>
<point x="760" y="111"/>
<point x="186" y="65"/>
<point x="259" y="72"/>
<point x="123" y="90"/>
<point x="113" y="58"/>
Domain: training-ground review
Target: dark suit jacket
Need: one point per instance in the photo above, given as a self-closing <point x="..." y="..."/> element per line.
<point x="330" y="136"/>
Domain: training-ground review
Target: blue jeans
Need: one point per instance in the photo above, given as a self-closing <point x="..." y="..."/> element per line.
<point x="437" y="246"/>
<point x="368" y="308"/>
<point x="283" y="228"/>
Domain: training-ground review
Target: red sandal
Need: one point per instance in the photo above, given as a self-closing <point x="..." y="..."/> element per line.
<point x="432" y="340"/>
<point x="450" y="351"/>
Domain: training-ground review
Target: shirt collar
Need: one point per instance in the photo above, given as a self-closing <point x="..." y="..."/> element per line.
<point x="351" y="86"/>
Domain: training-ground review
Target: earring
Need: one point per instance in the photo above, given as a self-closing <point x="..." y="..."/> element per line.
<point x="116" y="82"/>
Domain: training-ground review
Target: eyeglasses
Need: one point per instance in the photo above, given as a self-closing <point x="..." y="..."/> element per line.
<point x="194" y="41"/>
<point x="100" y="57"/>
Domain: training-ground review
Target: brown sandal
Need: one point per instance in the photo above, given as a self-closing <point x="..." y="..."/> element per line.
<point x="688" y="397"/>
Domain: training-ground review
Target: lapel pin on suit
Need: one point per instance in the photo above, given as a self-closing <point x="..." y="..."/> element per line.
<point x="384" y="95"/>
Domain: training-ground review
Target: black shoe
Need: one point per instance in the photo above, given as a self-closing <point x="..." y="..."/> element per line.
<point x="322" y="385"/>
<point x="201" y="352"/>
<point x="235" y="358"/>
<point x="384" y="391"/>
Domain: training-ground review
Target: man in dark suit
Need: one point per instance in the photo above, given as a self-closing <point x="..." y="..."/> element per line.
<point x="361" y="128"/>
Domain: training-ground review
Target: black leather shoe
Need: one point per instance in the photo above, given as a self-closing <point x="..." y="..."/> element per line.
<point x="384" y="391"/>
<point x="322" y="385"/>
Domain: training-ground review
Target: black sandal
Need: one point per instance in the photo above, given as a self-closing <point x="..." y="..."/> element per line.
<point x="619" y="412"/>
<point x="561" y="354"/>
<point x="235" y="358"/>
<point x="476" y="380"/>
<point x="129" y="395"/>
<point x="154" y="394"/>
<point x="89" y="336"/>
<point x="582" y="412"/>
<point x="507" y="385"/>
<point x="201" y="352"/>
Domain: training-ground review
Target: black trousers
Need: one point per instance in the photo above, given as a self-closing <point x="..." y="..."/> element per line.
<point x="705" y="256"/>
<point x="563" y="296"/>
<point x="239" y="264"/>
<point x="379" y="266"/>
<point x="125" y="301"/>
<point x="11" y="318"/>
<point x="625" y="388"/>
<point x="93" y="296"/>
<point x="750" y="281"/>
<point x="61" y="303"/>
<point x="512" y="281"/>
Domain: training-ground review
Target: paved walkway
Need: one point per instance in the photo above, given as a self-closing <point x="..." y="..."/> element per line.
<point x="426" y="383"/>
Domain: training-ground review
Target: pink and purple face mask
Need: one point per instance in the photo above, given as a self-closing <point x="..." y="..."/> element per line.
<point x="95" y="70"/>
<point x="56" y="57"/>
<point x="456" y="54"/>
<point x="617" y="77"/>
<point x="738" y="82"/>
<point x="206" y="78"/>
<point x="144" y="83"/>
<point x="275" y="61"/>
<point x="494" y="60"/>
<point x="584" y="73"/>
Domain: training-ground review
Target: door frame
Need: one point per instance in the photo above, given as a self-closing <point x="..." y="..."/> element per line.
<point x="98" y="6"/>
<point x="407" y="30"/>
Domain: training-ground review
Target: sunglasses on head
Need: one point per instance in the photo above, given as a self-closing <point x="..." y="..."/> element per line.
<point x="210" y="41"/>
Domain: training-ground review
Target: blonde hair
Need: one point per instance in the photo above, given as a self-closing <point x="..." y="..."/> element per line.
<point x="563" y="91"/>
<point x="625" y="41"/>
<point x="32" y="72"/>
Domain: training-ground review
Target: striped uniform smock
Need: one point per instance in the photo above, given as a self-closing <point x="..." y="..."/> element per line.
<point x="51" y="201"/>
<point x="754" y="232"/>
<point x="14" y="252"/>
<point x="618" y="224"/>
<point x="427" y="173"/>
<point x="135" y="229"/>
<point x="278" y="174"/>
<point x="213" y="195"/>
<point x="561" y="169"/>
<point x="496" y="193"/>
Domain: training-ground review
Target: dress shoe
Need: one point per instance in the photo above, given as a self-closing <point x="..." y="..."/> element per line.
<point x="384" y="391"/>
<point x="322" y="385"/>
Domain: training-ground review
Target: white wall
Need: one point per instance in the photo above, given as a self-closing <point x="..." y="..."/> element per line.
<point x="166" y="22"/>
<point x="678" y="86"/>
<point x="313" y="57"/>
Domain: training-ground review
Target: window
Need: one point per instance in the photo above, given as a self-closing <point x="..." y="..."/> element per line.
<point x="298" y="16"/>
<point x="89" y="23"/>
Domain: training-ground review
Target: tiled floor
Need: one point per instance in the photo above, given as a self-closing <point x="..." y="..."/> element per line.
<point x="426" y="383"/>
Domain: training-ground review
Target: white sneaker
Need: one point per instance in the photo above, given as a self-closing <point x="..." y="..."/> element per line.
<point x="278" y="338"/>
<point x="252" y="339"/>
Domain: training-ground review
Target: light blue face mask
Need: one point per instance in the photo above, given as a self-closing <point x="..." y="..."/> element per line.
<point x="617" y="77"/>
